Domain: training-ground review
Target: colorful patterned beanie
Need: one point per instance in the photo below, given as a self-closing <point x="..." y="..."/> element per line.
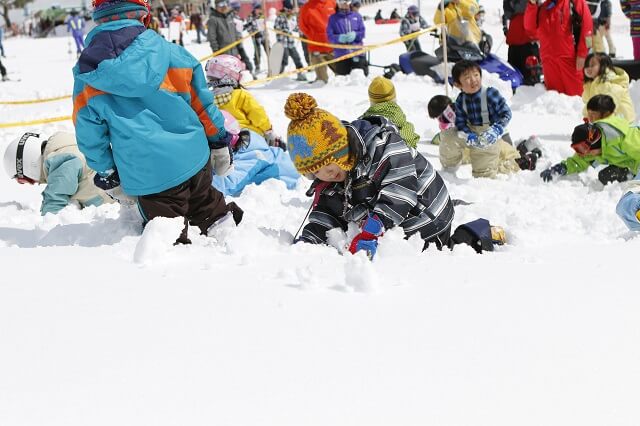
<point x="113" y="10"/>
<point x="315" y="137"/>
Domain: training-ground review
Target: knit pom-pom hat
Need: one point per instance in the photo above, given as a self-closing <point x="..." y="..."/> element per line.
<point x="381" y="90"/>
<point x="315" y="137"/>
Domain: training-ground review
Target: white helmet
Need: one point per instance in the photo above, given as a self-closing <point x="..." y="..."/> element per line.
<point x="22" y="158"/>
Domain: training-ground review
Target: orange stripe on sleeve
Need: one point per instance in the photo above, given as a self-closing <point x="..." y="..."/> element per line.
<point x="209" y="128"/>
<point x="83" y="98"/>
<point x="177" y="80"/>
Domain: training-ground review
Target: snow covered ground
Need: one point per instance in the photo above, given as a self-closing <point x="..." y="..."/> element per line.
<point x="100" y="326"/>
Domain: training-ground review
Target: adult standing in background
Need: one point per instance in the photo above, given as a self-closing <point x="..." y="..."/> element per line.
<point x="221" y="31"/>
<point x="195" y="20"/>
<point x="521" y="44"/>
<point x="631" y="9"/>
<point x="1" y="38"/>
<point x="346" y="27"/>
<point x="460" y="19"/>
<point x="282" y="24"/>
<point x="255" y="24"/>
<point x="562" y="52"/>
<point x="313" y="21"/>
<point x="239" y="26"/>
<point x="412" y="23"/>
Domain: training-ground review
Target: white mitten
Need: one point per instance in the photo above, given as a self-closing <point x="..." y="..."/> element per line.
<point x="221" y="161"/>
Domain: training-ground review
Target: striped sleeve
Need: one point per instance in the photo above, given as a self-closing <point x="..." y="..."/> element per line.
<point x="202" y="103"/>
<point x="324" y="217"/>
<point x="398" y="184"/>
<point x="498" y="104"/>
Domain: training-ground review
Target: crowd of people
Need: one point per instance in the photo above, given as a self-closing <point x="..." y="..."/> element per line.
<point x="157" y="140"/>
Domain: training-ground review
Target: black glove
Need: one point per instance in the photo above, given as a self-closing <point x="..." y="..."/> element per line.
<point x="107" y="182"/>
<point x="613" y="174"/>
<point x="222" y="142"/>
<point x="558" y="169"/>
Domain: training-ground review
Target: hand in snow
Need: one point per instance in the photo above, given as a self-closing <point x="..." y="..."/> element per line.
<point x="558" y="169"/>
<point x="367" y="239"/>
<point x="473" y="141"/>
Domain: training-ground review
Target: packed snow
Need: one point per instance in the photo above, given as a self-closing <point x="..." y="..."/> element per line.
<point x="101" y="324"/>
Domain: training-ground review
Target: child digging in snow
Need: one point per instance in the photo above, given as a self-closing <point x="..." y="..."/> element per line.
<point x="366" y="174"/>
<point x="145" y="118"/>
<point x="454" y="151"/>
<point x="382" y="95"/>
<point x="56" y="162"/>
<point x="606" y="139"/>
<point x="481" y="117"/>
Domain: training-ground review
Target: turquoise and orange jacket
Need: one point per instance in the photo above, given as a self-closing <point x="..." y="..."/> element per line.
<point x="141" y="106"/>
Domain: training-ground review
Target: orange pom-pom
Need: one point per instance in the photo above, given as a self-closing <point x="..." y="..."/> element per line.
<point x="299" y="106"/>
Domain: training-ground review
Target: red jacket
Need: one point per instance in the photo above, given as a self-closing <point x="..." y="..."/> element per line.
<point x="516" y="35"/>
<point x="552" y="26"/>
<point x="313" y="20"/>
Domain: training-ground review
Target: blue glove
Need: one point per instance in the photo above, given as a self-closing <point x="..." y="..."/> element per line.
<point x="347" y="38"/>
<point x="628" y="209"/>
<point x="107" y="182"/>
<point x="473" y="141"/>
<point x="491" y="135"/>
<point x="367" y="239"/>
<point x="558" y="169"/>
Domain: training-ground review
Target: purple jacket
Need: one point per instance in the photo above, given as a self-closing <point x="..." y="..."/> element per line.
<point x="342" y="23"/>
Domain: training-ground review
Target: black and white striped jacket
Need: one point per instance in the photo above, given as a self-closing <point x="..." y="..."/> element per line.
<point x="390" y="179"/>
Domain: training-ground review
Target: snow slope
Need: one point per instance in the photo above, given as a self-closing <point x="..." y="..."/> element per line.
<point x="101" y="326"/>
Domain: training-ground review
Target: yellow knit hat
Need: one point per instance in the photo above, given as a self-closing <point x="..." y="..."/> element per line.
<point x="381" y="89"/>
<point x="315" y="137"/>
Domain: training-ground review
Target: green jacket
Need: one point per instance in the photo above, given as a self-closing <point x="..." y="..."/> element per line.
<point x="620" y="147"/>
<point x="393" y="113"/>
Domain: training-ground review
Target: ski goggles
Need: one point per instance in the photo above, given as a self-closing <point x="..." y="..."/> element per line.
<point x="585" y="148"/>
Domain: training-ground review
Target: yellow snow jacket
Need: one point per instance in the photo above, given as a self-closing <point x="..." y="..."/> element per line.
<point x="460" y="20"/>
<point x="246" y="109"/>
<point x="614" y="83"/>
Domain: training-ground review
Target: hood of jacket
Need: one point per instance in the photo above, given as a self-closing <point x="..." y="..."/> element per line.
<point x="618" y="76"/>
<point x="124" y="59"/>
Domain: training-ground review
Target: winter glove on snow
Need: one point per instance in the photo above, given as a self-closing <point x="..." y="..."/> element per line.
<point x="274" y="140"/>
<point x="367" y="239"/>
<point x="221" y="157"/>
<point x="107" y="181"/>
<point x="613" y="174"/>
<point x="491" y="135"/>
<point x="558" y="169"/>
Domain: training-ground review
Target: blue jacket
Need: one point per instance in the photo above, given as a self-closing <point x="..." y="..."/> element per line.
<point x="141" y="105"/>
<point x="343" y="23"/>
<point x="75" y="24"/>
<point x="629" y="206"/>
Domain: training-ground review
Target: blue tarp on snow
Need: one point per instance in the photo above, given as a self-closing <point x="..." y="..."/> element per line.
<point x="255" y="164"/>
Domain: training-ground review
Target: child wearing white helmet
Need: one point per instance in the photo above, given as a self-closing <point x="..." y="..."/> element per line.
<point x="58" y="163"/>
<point x="224" y="73"/>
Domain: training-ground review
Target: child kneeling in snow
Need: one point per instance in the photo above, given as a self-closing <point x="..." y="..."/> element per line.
<point x="144" y="117"/>
<point x="58" y="163"/>
<point x="607" y="139"/>
<point x="481" y="117"/>
<point x="224" y="73"/>
<point x="453" y="149"/>
<point x="365" y="173"/>
<point x="628" y="207"/>
<point x="382" y="95"/>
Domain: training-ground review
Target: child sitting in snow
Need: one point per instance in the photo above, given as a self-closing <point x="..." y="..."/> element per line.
<point x="606" y="139"/>
<point x="628" y="207"/>
<point x="454" y="151"/>
<point x="58" y="163"/>
<point x="382" y="95"/>
<point x="481" y="116"/>
<point x="366" y="174"/>
<point x="224" y="73"/>
<point x="602" y="78"/>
